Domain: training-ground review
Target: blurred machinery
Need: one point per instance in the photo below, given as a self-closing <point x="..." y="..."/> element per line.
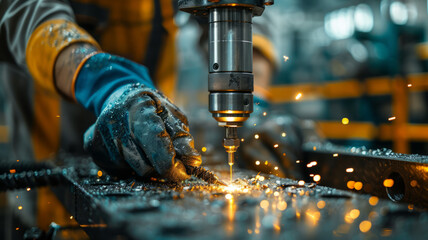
<point x="360" y="62"/>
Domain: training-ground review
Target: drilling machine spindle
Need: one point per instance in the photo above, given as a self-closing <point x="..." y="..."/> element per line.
<point x="230" y="79"/>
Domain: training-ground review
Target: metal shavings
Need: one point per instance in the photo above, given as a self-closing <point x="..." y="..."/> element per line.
<point x="204" y="174"/>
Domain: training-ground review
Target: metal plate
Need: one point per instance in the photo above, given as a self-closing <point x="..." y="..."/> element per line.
<point x="260" y="207"/>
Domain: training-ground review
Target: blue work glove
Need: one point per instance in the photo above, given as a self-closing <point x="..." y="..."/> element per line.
<point x="138" y="129"/>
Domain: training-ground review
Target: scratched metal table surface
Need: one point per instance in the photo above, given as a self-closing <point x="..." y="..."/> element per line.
<point x="380" y="172"/>
<point x="253" y="207"/>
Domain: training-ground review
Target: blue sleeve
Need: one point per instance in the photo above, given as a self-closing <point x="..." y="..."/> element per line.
<point x="103" y="74"/>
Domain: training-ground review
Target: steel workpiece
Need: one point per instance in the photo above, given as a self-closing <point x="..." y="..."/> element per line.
<point x="254" y="206"/>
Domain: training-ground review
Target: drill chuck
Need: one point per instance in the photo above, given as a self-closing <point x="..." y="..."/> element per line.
<point x="230" y="80"/>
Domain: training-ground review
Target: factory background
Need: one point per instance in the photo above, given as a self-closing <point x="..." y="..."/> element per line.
<point x="358" y="68"/>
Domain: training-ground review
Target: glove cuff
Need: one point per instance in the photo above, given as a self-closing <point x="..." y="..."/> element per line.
<point x="81" y="64"/>
<point x="101" y="75"/>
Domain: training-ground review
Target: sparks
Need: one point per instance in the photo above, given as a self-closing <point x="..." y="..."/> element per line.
<point x="345" y="121"/>
<point x="336" y="155"/>
<point x="373" y="200"/>
<point x="298" y="96"/>
<point x="321" y="204"/>
<point x="349" y="170"/>
<point x="264" y="114"/>
<point x="284" y="134"/>
<point x="256" y="136"/>
<point x="392" y="118"/>
<point x="358" y="186"/>
<point x="311" y="164"/>
<point x="275" y="146"/>
<point x="257" y="162"/>
<point x="301" y="183"/>
<point x="350" y="184"/>
<point x="264" y="204"/>
<point x="317" y="178"/>
<point x="204" y="149"/>
<point x="388" y="183"/>
<point x="409" y="85"/>
<point x="354" y="213"/>
<point x="286" y="58"/>
<point x="365" y="226"/>
<point x="282" y="205"/>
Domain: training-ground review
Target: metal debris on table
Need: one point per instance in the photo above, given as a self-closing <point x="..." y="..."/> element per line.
<point x="380" y="172"/>
<point x="254" y="206"/>
<point x="204" y="174"/>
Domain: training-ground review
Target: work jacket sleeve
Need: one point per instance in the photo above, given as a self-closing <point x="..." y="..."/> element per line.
<point x="34" y="32"/>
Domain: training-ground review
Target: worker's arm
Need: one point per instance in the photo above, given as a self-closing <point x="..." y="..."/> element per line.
<point x="67" y="64"/>
<point x="265" y="57"/>
<point x="138" y="129"/>
<point x="273" y="141"/>
<point x="34" y="32"/>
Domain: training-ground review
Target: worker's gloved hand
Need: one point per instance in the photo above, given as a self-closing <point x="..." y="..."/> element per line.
<point x="273" y="141"/>
<point x="138" y="129"/>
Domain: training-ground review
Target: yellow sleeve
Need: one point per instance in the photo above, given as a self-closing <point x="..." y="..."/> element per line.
<point x="422" y="50"/>
<point x="266" y="48"/>
<point x="45" y="44"/>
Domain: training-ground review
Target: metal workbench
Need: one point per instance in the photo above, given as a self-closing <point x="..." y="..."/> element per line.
<point x="257" y="207"/>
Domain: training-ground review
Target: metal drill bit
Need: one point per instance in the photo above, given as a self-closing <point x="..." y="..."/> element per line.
<point x="204" y="174"/>
<point x="231" y="144"/>
<point x="231" y="160"/>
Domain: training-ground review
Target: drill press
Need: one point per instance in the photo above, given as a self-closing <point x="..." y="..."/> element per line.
<point x="230" y="79"/>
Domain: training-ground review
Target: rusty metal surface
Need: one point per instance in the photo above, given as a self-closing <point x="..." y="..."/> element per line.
<point x="399" y="177"/>
<point x="254" y="207"/>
